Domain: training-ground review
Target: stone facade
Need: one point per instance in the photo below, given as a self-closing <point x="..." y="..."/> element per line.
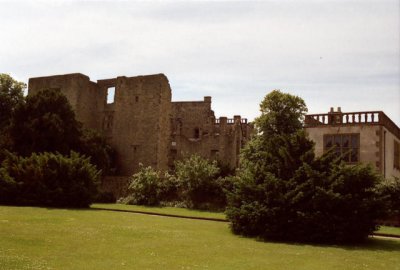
<point x="196" y="130"/>
<point x="142" y="123"/>
<point x="376" y="138"/>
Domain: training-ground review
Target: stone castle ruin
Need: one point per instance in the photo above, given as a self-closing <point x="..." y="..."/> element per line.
<point x="142" y="123"/>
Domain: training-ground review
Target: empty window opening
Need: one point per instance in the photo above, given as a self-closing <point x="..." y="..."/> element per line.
<point x="110" y="95"/>
<point x="196" y="133"/>
<point x="137" y="99"/>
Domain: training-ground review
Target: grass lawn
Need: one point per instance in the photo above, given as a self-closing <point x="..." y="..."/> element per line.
<point x="389" y="230"/>
<point x="40" y="238"/>
<point x="162" y="210"/>
<point x="195" y="213"/>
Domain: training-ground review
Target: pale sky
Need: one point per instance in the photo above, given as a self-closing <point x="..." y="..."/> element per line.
<point x="330" y="53"/>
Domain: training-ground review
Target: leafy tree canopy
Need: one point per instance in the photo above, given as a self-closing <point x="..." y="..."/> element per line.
<point x="11" y="94"/>
<point x="281" y="113"/>
<point x="45" y="123"/>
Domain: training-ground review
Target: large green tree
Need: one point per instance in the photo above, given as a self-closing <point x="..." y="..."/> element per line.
<point x="284" y="193"/>
<point x="94" y="145"/>
<point x="281" y="113"/>
<point x="11" y="94"/>
<point x="45" y="123"/>
<point x="280" y="145"/>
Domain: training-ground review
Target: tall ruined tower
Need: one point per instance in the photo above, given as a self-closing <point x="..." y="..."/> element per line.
<point x="137" y="123"/>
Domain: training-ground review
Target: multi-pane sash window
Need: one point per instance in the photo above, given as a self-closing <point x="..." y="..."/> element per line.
<point x="345" y="145"/>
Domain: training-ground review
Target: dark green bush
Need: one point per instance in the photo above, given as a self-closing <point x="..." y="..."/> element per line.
<point x="336" y="205"/>
<point x="8" y="187"/>
<point x="94" y="145"/>
<point x="49" y="179"/>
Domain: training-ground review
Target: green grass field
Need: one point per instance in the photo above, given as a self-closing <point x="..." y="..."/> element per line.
<point x="40" y="238"/>
<point x="389" y="230"/>
<point x="194" y="213"/>
<point x="162" y="210"/>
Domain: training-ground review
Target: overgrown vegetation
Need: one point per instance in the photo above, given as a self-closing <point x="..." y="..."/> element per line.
<point x="284" y="193"/>
<point x="149" y="187"/>
<point x="196" y="183"/>
<point x="48" y="179"/>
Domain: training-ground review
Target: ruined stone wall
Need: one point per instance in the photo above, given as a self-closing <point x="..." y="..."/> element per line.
<point x="78" y="89"/>
<point x="144" y="126"/>
<point x="196" y="131"/>
<point x="137" y="124"/>
<point x="140" y="128"/>
<point x="193" y="119"/>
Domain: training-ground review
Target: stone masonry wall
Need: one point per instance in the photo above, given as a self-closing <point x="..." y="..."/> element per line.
<point x="141" y="105"/>
<point x="79" y="91"/>
<point x="196" y="131"/>
<point x="144" y="126"/>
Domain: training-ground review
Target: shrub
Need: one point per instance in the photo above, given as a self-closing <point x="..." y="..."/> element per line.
<point x="50" y="179"/>
<point x="8" y="187"/>
<point x="144" y="188"/>
<point x="323" y="202"/>
<point x="198" y="187"/>
<point x="150" y="187"/>
<point x="390" y="188"/>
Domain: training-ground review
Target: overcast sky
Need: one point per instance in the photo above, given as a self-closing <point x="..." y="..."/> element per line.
<point x="330" y="53"/>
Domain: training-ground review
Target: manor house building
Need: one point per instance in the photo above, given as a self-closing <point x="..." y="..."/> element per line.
<point x="366" y="137"/>
<point x="144" y="126"/>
